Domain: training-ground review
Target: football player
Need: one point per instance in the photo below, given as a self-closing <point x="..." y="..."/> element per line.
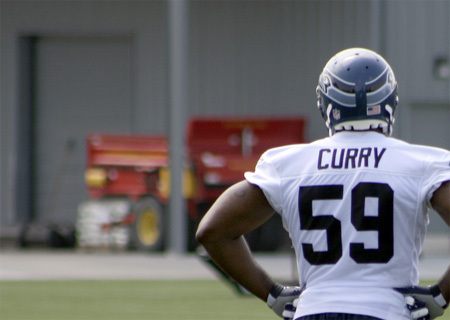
<point x="354" y="205"/>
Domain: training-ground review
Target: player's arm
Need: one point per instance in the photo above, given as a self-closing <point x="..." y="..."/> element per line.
<point x="441" y="203"/>
<point x="240" y="209"/>
<point x="429" y="302"/>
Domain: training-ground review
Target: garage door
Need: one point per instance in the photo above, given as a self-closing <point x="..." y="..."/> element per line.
<point x="83" y="85"/>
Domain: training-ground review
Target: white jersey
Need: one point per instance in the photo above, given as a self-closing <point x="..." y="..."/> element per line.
<point x="355" y="206"/>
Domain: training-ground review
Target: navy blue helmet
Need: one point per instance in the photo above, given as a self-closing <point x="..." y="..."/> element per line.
<point x="357" y="91"/>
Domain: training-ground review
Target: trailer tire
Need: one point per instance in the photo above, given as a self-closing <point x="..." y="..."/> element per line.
<point x="147" y="231"/>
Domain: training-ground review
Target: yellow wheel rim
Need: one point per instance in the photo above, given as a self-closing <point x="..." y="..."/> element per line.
<point x="148" y="227"/>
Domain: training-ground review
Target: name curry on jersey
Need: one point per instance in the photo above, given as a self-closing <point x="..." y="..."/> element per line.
<point x="349" y="158"/>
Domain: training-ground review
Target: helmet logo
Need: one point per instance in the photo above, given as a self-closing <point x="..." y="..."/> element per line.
<point x="326" y="83"/>
<point x="373" y="110"/>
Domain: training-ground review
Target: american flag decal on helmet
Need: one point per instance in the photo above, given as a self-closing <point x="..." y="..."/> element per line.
<point x="373" y="110"/>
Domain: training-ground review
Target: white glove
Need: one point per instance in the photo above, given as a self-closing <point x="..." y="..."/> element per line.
<point x="289" y="310"/>
<point x="281" y="296"/>
<point x="431" y="297"/>
<point x="417" y="309"/>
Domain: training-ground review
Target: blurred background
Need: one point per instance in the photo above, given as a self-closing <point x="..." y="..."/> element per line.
<point x="102" y="100"/>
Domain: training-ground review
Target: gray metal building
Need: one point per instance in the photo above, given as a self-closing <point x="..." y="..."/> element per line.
<point x="69" y="68"/>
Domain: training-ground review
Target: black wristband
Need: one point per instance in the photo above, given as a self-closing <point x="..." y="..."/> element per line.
<point x="438" y="296"/>
<point x="276" y="290"/>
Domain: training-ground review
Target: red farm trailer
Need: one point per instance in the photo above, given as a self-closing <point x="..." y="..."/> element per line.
<point x="128" y="178"/>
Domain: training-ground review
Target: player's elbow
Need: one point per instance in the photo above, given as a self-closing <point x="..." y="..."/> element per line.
<point x="201" y="235"/>
<point x="205" y="233"/>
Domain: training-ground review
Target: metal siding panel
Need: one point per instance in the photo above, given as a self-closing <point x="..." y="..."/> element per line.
<point x="264" y="58"/>
<point x="144" y="19"/>
<point x="433" y="119"/>
<point x="83" y="87"/>
<point x="150" y="66"/>
<point x="259" y="58"/>
<point x="417" y="32"/>
<point x="430" y="115"/>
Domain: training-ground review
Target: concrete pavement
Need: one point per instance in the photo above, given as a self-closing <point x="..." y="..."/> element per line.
<point x="69" y="265"/>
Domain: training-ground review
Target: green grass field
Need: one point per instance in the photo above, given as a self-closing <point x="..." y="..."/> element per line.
<point x="127" y="300"/>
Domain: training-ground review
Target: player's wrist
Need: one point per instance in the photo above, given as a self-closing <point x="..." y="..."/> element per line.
<point x="438" y="296"/>
<point x="280" y="297"/>
<point x="274" y="293"/>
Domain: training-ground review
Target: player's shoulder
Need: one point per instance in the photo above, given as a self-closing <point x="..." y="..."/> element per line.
<point x="431" y="150"/>
<point x="423" y="151"/>
<point x="278" y="153"/>
<point x="292" y="150"/>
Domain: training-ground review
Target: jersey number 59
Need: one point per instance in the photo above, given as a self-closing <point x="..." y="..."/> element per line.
<point x="382" y="223"/>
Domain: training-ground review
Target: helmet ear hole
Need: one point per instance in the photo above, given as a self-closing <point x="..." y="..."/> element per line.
<point x="320" y="103"/>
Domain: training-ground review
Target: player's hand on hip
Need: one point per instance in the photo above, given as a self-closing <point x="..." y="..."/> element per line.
<point x="289" y="310"/>
<point x="417" y="308"/>
<point x="424" y="302"/>
<point x="281" y="300"/>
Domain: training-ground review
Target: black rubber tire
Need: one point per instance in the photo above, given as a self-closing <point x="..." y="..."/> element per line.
<point x="148" y="230"/>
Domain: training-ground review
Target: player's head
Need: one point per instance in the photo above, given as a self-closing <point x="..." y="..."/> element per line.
<point x="357" y="91"/>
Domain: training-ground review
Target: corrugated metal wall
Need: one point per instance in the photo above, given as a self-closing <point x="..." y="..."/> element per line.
<point x="265" y="57"/>
<point x="246" y="57"/>
<point x="144" y="22"/>
<point x="415" y="35"/>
